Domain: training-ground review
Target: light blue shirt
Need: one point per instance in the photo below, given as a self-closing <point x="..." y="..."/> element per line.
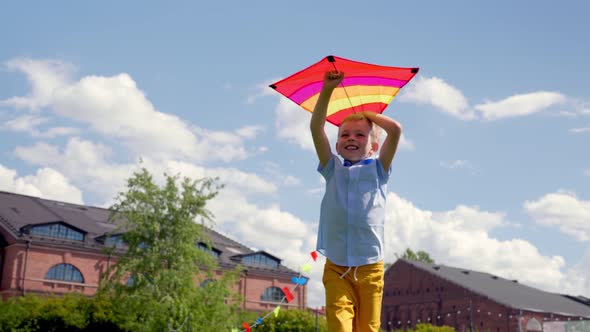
<point x="352" y="215"/>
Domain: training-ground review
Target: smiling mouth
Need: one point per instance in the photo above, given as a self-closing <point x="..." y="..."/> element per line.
<point x="351" y="147"/>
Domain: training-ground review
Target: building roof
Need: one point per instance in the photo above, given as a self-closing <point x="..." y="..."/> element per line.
<point x="19" y="212"/>
<point x="510" y="293"/>
<point x="232" y="251"/>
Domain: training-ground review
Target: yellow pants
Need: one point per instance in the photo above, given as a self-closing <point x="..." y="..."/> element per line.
<point x="353" y="305"/>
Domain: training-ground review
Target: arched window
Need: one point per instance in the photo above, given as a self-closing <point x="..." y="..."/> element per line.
<point x="59" y="231"/>
<point x="533" y="325"/>
<point x="206" y="282"/>
<point x="64" y="272"/>
<point x="272" y="294"/>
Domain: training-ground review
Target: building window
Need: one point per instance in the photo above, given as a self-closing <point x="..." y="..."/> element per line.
<point x="210" y="250"/>
<point x="114" y="241"/>
<point x="260" y="259"/>
<point x="65" y="272"/>
<point x="207" y="282"/>
<point x="534" y="325"/>
<point x="272" y="294"/>
<point x="59" y="231"/>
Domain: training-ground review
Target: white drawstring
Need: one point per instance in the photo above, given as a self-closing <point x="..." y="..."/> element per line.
<point x="343" y="274"/>
<point x="348" y="270"/>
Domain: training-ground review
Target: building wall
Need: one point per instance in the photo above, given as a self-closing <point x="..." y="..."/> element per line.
<point x="92" y="265"/>
<point x="412" y="296"/>
<point x="16" y="280"/>
<point x="254" y="287"/>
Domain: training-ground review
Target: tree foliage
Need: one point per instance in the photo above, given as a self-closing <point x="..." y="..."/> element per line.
<point x="419" y="256"/>
<point x="154" y="283"/>
<point x="71" y="312"/>
<point x="293" y="321"/>
<point x="432" y="328"/>
<point x="429" y="328"/>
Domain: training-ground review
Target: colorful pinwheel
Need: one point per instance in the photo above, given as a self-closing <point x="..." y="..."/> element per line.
<point x="365" y="87"/>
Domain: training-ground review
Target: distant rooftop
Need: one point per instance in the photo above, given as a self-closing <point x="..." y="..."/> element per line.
<point x="510" y="293"/>
<point x="21" y="212"/>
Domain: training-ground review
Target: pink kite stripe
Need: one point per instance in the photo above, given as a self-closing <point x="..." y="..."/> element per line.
<point x="309" y="90"/>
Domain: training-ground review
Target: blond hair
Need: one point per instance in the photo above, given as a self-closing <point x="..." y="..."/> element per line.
<point x="375" y="129"/>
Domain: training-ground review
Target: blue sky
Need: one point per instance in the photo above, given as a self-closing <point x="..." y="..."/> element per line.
<point x="493" y="172"/>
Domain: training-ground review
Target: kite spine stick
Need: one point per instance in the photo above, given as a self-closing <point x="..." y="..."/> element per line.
<point x="346" y="92"/>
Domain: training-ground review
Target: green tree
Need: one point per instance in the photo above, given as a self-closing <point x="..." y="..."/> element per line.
<point x="430" y="328"/>
<point x="70" y="312"/>
<point x="419" y="256"/>
<point x="293" y="321"/>
<point x="153" y="285"/>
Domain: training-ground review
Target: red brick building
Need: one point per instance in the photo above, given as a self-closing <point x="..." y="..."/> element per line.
<point x="467" y="300"/>
<point x="54" y="247"/>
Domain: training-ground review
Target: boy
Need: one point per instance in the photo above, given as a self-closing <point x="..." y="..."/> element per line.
<point x="352" y="214"/>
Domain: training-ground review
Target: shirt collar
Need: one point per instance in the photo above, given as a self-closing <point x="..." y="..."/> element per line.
<point x="365" y="161"/>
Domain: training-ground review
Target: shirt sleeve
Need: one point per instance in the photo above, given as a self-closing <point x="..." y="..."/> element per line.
<point x="328" y="170"/>
<point x="383" y="174"/>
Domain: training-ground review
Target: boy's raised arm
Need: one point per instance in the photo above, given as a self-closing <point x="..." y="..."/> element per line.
<point x="393" y="130"/>
<point x="318" y="117"/>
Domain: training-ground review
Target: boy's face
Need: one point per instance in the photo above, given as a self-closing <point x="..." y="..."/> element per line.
<point x="354" y="140"/>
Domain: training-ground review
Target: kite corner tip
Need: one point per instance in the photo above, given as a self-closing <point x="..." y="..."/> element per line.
<point x="330" y="58"/>
<point x="272" y="86"/>
<point x="415" y="70"/>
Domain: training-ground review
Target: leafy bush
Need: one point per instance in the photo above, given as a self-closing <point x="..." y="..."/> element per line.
<point x="287" y="321"/>
<point x="71" y="312"/>
<point x="430" y="328"/>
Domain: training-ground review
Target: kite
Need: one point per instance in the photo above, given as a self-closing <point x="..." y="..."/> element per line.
<point x="365" y="87"/>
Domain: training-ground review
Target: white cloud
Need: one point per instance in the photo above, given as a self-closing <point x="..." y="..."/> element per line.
<point x="233" y="178"/>
<point x="578" y="277"/>
<point x="262" y="90"/>
<point x="449" y="99"/>
<point x="435" y="91"/>
<point x="249" y="131"/>
<point x="519" y="105"/>
<point x="85" y="162"/>
<point x="24" y="123"/>
<point x="39" y="154"/>
<point x="406" y="144"/>
<point x="580" y="130"/>
<point x="88" y="165"/>
<point x="460" y="163"/>
<point x="116" y="108"/>
<point x="292" y="124"/>
<point x="29" y="124"/>
<point x="290" y="180"/>
<point x="277" y="174"/>
<point x="563" y="210"/>
<point x="277" y="232"/>
<point x="46" y="183"/>
<point x="460" y="237"/>
<point x="46" y="77"/>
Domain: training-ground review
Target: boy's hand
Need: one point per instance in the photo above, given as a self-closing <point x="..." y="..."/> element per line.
<point x="332" y="78"/>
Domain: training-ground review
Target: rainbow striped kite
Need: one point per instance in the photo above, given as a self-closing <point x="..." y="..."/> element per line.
<point x="365" y="87"/>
